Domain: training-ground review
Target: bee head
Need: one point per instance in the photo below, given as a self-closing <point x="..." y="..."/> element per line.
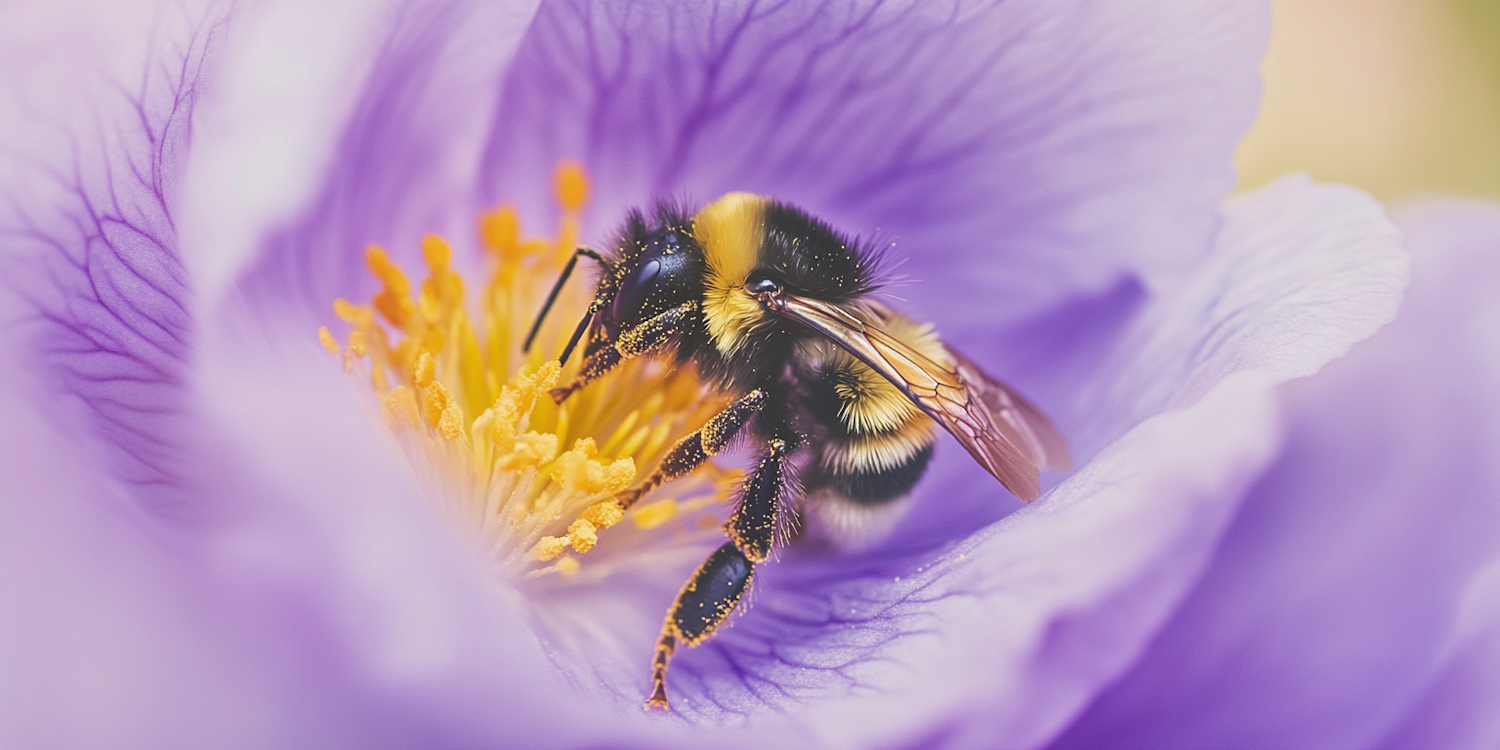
<point x="658" y="265"/>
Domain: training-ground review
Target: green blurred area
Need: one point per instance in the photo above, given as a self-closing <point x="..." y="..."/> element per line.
<point x="1399" y="97"/>
<point x="1481" y="23"/>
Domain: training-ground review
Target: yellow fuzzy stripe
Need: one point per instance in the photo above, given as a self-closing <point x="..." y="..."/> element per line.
<point x="730" y="231"/>
<point x="867" y="454"/>
<point x="870" y="403"/>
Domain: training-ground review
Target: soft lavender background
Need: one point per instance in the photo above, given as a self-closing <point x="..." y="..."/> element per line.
<point x="208" y="545"/>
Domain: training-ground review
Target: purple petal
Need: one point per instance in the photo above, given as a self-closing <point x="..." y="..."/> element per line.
<point x="109" y="636"/>
<point x="91" y="249"/>
<point x="1458" y="707"/>
<point x="339" y="606"/>
<point x="1302" y="272"/>
<point x="403" y="161"/>
<point x="1345" y="603"/>
<point x="264" y="135"/>
<point x="1016" y="152"/>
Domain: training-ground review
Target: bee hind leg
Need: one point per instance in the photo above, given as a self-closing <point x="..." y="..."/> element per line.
<point x="722" y="580"/>
<point x="704" y="603"/>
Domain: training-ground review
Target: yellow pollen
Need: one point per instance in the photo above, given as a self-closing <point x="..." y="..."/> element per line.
<point x="421" y="374"/>
<point x="605" y="514"/>
<point x="437" y="401"/>
<point x="583" y="535"/>
<point x="549" y="547"/>
<point x="473" y="413"/>
<point x="451" y="423"/>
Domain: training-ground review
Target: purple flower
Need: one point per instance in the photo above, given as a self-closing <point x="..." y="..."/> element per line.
<point x="206" y="541"/>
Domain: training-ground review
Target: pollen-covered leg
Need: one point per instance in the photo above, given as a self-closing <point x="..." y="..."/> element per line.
<point x="651" y="335"/>
<point x="757" y="517"/>
<point x="702" y="606"/>
<point x="719" y="584"/>
<point x="690" y="452"/>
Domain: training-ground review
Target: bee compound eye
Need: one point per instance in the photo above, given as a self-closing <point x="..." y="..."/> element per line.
<point x="635" y="289"/>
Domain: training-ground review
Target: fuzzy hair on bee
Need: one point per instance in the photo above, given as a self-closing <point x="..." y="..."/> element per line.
<point x="838" y="394"/>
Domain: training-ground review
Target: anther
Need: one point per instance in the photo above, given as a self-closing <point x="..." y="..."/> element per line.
<point x="326" y="339"/>
<point x="572" y="186"/>
<point x="500" y="230"/>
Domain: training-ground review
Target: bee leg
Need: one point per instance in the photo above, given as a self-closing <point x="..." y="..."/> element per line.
<point x="703" y="604"/>
<point x="690" y="452"/>
<point x="652" y="334"/>
<point x="757" y="516"/>
<point x="721" y="581"/>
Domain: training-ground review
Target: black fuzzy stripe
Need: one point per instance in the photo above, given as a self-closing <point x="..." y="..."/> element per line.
<point x="811" y="258"/>
<point x="873" y="487"/>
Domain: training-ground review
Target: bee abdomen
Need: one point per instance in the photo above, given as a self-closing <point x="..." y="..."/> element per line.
<point x="876" y="486"/>
<point x="875" y="445"/>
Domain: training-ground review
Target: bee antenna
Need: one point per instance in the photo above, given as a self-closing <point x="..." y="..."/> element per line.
<point x="552" y="297"/>
<point x="583" y="325"/>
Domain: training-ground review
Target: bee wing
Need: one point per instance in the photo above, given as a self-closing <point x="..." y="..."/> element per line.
<point x="1007" y="436"/>
<point x="1043" y="444"/>
<point x="1019" y="421"/>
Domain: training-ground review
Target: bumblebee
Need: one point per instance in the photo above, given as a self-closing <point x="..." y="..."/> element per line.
<point x="838" y="393"/>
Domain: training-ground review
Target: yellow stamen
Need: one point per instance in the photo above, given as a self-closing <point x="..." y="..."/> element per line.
<point x="399" y="407"/>
<point x="473" y="411"/>
<point x="394" y="301"/>
<point x="435" y="403"/>
<point x="572" y="186"/>
<point x="421" y="374"/>
<point x="326" y="339"/>
<point x="655" y="514"/>
<point x="451" y="423"/>
<point x="500" y="230"/>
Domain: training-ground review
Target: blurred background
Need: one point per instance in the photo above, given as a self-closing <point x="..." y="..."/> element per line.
<point x="1398" y="97"/>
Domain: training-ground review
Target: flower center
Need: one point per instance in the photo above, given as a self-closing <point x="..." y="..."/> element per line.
<point x="473" y="412"/>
